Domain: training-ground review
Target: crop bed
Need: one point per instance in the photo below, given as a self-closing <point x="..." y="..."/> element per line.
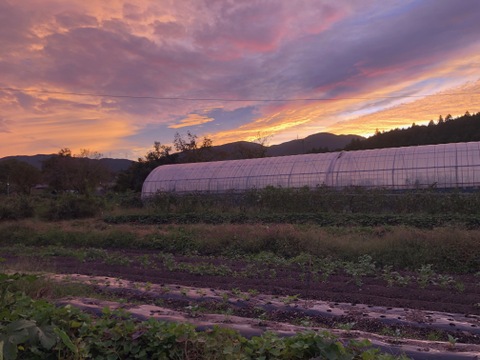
<point x="411" y="290"/>
<point x="459" y="294"/>
<point x="299" y="292"/>
<point x="281" y="280"/>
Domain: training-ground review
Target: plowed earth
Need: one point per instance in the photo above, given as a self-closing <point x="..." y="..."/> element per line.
<point x="283" y="295"/>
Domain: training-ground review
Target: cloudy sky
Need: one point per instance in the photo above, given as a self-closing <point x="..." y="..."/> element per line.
<point x="114" y="76"/>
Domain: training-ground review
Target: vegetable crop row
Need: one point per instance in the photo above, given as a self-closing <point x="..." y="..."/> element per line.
<point x="323" y="219"/>
<point x="36" y="329"/>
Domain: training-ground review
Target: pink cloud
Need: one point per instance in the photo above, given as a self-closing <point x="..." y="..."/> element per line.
<point x="210" y="49"/>
<point x="70" y="20"/>
<point x="169" y="29"/>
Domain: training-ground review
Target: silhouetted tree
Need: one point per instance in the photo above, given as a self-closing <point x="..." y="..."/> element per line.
<point x="18" y="176"/>
<point x="135" y="175"/>
<point x="191" y="149"/>
<point x="75" y="172"/>
<point x="462" y="129"/>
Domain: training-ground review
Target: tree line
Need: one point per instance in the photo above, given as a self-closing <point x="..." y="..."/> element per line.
<point x="446" y="130"/>
<point x="83" y="173"/>
<point x="65" y="171"/>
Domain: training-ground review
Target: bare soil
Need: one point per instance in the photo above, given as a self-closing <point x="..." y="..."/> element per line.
<point x="284" y="299"/>
<point x="270" y="279"/>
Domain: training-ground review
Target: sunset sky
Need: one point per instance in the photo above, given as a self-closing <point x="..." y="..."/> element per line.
<point x="114" y="76"/>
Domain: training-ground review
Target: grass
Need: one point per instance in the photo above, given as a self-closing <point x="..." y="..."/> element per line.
<point x="316" y="249"/>
<point x="449" y="249"/>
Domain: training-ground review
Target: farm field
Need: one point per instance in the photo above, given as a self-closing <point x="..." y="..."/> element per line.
<point x="412" y="289"/>
<point x="274" y="274"/>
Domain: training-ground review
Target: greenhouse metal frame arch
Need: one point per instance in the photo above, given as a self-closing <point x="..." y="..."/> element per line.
<point x="442" y="166"/>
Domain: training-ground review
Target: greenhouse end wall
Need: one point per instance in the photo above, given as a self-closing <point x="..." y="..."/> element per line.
<point x="441" y="166"/>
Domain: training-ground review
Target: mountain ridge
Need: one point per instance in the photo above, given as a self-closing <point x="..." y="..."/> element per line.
<point x="319" y="142"/>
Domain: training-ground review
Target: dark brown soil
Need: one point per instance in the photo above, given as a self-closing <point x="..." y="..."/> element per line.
<point x="274" y="280"/>
<point x="257" y="297"/>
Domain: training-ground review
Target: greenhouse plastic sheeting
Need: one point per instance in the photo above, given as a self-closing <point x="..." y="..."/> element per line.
<point x="440" y="166"/>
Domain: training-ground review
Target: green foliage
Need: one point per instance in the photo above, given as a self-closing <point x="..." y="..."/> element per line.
<point x="15" y="207"/>
<point x="72" y="206"/>
<point x="429" y="204"/>
<point x="322" y="219"/>
<point x="363" y="267"/>
<point x="425" y="275"/>
<point x="394" y="278"/>
<point x="125" y="200"/>
<point x="37" y="329"/>
<point x="449" y="250"/>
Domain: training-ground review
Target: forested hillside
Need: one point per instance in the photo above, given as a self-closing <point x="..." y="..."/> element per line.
<point x="449" y="130"/>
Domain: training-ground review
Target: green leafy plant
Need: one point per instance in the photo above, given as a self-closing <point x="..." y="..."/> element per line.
<point x="452" y="341"/>
<point x="345" y="326"/>
<point x="22" y="331"/>
<point x="236" y="292"/>
<point x="117" y="259"/>
<point x="39" y="330"/>
<point x="287" y="300"/>
<point x="444" y="281"/>
<point x="327" y="267"/>
<point x="363" y="267"/>
<point x="425" y="275"/>
<point x="459" y="286"/>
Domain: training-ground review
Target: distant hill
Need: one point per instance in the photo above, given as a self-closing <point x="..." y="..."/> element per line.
<point x="34" y="160"/>
<point x="237" y="150"/>
<point x="320" y="142"/>
<point x="114" y="165"/>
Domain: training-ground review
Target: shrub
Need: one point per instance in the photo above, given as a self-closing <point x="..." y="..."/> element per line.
<point x="15" y="208"/>
<point x="129" y="200"/>
<point x="73" y="206"/>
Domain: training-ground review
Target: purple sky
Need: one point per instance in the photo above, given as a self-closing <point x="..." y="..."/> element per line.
<point x="368" y="63"/>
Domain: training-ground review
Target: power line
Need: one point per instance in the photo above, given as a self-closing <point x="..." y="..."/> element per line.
<point x="181" y="98"/>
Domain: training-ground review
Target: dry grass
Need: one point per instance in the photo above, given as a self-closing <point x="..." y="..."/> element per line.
<point x="448" y="248"/>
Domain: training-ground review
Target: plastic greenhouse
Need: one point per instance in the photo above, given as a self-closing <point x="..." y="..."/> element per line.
<point x="442" y="166"/>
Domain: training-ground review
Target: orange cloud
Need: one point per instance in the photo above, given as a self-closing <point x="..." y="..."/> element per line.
<point x="454" y="102"/>
<point x="381" y="103"/>
<point x="49" y="124"/>
<point x="293" y="49"/>
<point x="192" y="120"/>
